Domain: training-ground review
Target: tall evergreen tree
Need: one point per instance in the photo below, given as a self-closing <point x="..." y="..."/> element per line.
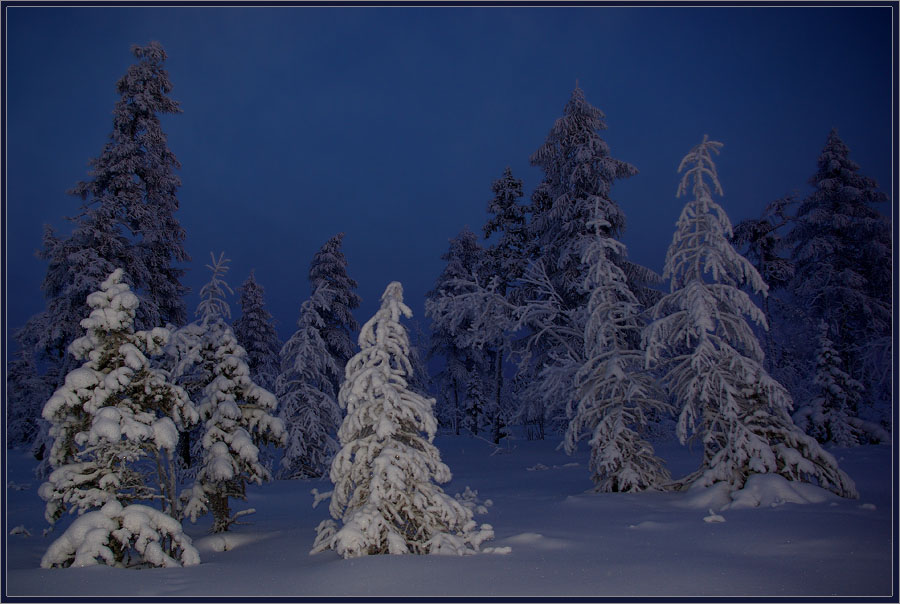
<point x="615" y="393"/>
<point x="712" y="358"/>
<point x="842" y="258"/>
<point x="579" y="172"/>
<point x="255" y="331"/>
<point x="307" y="400"/>
<point x="385" y="475"/>
<point x="463" y="362"/>
<point x="329" y="269"/>
<point x="134" y="179"/>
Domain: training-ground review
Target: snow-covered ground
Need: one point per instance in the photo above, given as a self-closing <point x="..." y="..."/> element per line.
<point x="563" y="540"/>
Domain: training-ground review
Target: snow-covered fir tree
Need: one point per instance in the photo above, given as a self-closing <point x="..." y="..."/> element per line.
<point x="842" y="257"/>
<point x="115" y="427"/>
<point x="385" y="476"/>
<point x="712" y="358"/>
<point x="255" y="331"/>
<point x="463" y="361"/>
<point x="827" y="416"/>
<point x="579" y="172"/>
<point x="615" y="394"/>
<point x="306" y="395"/>
<point x="134" y="178"/>
<point x="237" y="414"/>
<point x="329" y="268"/>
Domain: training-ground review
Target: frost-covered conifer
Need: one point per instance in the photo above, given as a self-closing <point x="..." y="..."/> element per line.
<point x="827" y="416"/>
<point x="306" y="395"/>
<point x="26" y="392"/>
<point x="579" y="172"/>
<point x="578" y="176"/>
<point x="615" y="394"/>
<point x="464" y="361"/>
<point x="842" y="257"/>
<point x="236" y="413"/>
<point x="329" y="268"/>
<point x="134" y="180"/>
<point x="113" y="415"/>
<point x="712" y="358"/>
<point x="385" y="492"/>
<point x="255" y="331"/>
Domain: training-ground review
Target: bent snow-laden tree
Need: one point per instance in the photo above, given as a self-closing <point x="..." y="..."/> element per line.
<point x="236" y="412"/>
<point x="712" y="358"/>
<point x="385" y="475"/>
<point x="115" y="428"/>
<point x="614" y="393"/>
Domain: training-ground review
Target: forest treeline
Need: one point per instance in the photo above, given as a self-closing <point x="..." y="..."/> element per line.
<point x="765" y="342"/>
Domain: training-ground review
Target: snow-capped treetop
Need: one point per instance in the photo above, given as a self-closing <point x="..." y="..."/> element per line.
<point x="699" y="164"/>
<point x="213" y="305"/>
<point x="578" y="165"/>
<point x="701" y="243"/>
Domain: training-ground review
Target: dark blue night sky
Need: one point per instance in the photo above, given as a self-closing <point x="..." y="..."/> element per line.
<point x="390" y="123"/>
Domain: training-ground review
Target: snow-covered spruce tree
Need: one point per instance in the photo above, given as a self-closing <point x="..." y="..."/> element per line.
<point x="115" y="428"/>
<point x="237" y="414"/>
<point x="578" y="176"/>
<point x="615" y="394"/>
<point x="827" y="416"/>
<point x="579" y="172"/>
<point x="712" y="358"/>
<point x="306" y="395"/>
<point x="842" y="258"/>
<point x="463" y="361"/>
<point x="134" y="178"/>
<point x="385" y="475"/>
<point x="255" y="331"/>
<point x="329" y="268"/>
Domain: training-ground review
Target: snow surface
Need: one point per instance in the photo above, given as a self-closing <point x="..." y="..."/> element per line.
<point x="562" y="540"/>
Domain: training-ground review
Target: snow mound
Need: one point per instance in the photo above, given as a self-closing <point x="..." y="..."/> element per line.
<point x="772" y="490"/>
<point x="646" y="525"/>
<point x="703" y="498"/>
<point x="223" y="542"/>
<point x="713" y="518"/>
<point x="536" y="540"/>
